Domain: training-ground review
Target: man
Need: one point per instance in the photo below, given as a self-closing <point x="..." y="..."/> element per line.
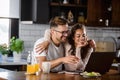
<point x="55" y="52"/>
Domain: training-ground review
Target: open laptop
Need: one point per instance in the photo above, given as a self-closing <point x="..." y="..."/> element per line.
<point x="100" y="62"/>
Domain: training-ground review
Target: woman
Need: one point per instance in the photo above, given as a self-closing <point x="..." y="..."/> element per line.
<point x="77" y="45"/>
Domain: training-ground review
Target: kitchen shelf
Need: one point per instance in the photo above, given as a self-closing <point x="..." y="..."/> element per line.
<point x="67" y="5"/>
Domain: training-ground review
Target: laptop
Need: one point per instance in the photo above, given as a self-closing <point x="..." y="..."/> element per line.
<point x="100" y="62"/>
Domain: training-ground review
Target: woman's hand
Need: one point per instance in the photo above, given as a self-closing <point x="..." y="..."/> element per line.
<point x="83" y="42"/>
<point x="42" y="46"/>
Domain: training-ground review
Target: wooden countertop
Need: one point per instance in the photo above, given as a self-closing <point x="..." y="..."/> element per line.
<point x="111" y="75"/>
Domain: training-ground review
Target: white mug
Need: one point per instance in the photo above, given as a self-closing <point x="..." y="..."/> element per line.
<point x="46" y="67"/>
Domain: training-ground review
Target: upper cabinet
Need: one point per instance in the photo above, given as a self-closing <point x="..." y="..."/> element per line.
<point x="35" y="11"/>
<point x="95" y="14"/>
<point x="103" y="13"/>
<point x="26" y="10"/>
<point x="9" y="8"/>
<point x="88" y="12"/>
<point x="41" y="11"/>
<point x="115" y="13"/>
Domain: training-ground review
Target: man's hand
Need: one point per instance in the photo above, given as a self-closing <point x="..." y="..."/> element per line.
<point x="70" y="59"/>
<point x="41" y="47"/>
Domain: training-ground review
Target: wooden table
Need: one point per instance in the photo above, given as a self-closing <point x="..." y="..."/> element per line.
<point x="111" y="75"/>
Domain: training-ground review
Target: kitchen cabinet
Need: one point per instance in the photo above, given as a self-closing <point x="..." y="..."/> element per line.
<point x="41" y="11"/>
<point x="115" y="13"/>
<point x="95" y="12"/>
<point x="36" y="11"/>
<point x="103" y="13"/>
<point x="98" y="13"/>
<point x="26" y="10"/>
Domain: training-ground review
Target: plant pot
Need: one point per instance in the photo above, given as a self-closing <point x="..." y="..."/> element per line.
<point x="16" y="57"/>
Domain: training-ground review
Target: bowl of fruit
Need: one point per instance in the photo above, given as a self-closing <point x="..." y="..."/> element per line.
<point x="90" y="74"/>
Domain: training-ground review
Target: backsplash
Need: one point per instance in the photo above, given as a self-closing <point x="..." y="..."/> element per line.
<point x="31" y="32"/>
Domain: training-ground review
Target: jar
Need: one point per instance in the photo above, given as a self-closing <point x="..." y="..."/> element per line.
<point x="81" y="18"/>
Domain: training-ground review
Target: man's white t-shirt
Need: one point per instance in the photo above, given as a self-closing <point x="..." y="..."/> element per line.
<point x="52" y="53"/>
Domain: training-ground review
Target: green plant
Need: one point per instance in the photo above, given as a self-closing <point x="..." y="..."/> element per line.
<point x="4" y="49"/>
<point x="16" y="44"/>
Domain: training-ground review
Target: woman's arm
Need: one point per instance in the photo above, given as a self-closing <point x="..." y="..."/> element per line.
<point x="47" y="35"/>
<point x="82" y="62"/>
<point x="44" y="45"/>
<point x="88" y="50"/>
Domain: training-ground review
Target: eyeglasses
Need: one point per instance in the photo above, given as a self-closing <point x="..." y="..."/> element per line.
<point x="62" y="32"/>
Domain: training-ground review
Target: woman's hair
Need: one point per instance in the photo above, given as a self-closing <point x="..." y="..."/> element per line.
<point x="54" y="22"/>
<point x="74" y="28"/>
<point x="70" y="38"/>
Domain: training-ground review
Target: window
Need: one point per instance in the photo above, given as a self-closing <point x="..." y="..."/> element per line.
<point x="4" y="31"/>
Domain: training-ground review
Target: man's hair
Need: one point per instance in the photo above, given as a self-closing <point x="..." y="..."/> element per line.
<point x="54" y="22"/>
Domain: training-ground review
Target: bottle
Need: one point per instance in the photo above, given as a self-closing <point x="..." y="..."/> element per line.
<point x="32" y="65"/>
<point x="107" y="22"/>
<point x="29" y="58"/>
<point x="62" y="15"/>
<point x="81" y="18"/>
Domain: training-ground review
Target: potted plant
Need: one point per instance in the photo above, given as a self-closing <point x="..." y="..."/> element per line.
<point x="4" y="51"/>
<point x="17" y="46"/>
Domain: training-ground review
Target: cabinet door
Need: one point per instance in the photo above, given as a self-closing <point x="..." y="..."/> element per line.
<point x="26" y="10"/>
<point x="41" y="11"/>
<point x="36" y="11"/>
<point x="115" y="12"/>
<point x="97" y="12"/>
<point x="94" y="13"/>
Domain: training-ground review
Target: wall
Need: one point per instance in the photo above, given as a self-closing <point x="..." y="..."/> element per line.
<point x="31" y="32"/>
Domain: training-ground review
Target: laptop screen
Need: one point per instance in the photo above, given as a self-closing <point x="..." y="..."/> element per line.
<point x="100" y="62"/>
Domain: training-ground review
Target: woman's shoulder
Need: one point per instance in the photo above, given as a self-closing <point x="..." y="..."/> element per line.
<point x="67" y="45"/>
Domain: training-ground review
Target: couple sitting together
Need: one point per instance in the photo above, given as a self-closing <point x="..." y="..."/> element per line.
<point x="63" y="47"/>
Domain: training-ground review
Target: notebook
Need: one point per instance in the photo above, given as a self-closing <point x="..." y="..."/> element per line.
<point x="100" y="62"/>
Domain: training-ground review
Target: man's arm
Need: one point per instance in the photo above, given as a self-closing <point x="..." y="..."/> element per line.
<point x="58" y="61"/>
<point x="44" y="45"/>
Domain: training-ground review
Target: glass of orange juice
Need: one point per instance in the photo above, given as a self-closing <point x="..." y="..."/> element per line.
<point x="32" y="68"/>
<point x="36" y="67"/>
